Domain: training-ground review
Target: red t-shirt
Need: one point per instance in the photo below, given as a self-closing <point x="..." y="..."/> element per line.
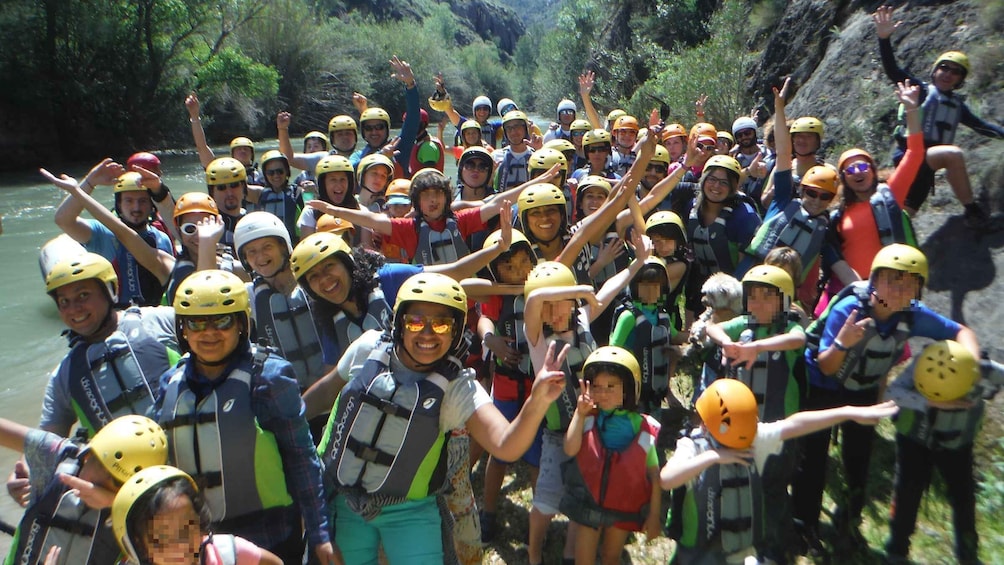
<point x="405" y="233"/>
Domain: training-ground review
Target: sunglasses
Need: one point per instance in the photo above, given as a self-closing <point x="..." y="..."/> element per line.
<point x="477" y="166"/>
<point x="225" y="186"/>
<point x="189" y="228"/>
<point x="375" y="127"/>
<point x="857" y="168"/>
<point x="817" y="194"/>
<point x="706" y="146"/>
<point x="221" y="322"/>
<point x="958" y="71"/>
<point x="745" y="133"/>
<point x="578" y="133"/>
<point x="598" y="149"/>
<point x="566" y="112"/>
<point x="440" y="326"/>
<point x="660" y="169"/>
<point x="275" y="172"/>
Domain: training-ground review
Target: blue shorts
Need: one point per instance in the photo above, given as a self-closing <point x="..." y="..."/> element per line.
<point x="510" y="409"/>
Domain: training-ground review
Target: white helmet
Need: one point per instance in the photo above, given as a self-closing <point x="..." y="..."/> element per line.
<point x="566" y="104"/>
<point x="503" y="106"/>
<point x="743" y="123"/>
<point x="257" y="225"/>
<point x="481" y="101"/>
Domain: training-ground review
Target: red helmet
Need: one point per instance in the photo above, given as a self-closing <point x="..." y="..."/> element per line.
<point x="148" y="161"/>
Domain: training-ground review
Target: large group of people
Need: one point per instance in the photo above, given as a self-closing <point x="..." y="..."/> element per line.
<point x="308" y="369"/>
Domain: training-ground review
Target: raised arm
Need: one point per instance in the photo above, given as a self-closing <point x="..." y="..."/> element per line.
<point x="807" y="422"/>
<point x="379" y="223"/>
<point x="68" y="214"/>
<point x="782" y="137"/>
<point x="532" y="318"/>
<point x="296" y="160"/>
<point x="493" y="207"/>
<point x="586" y="82"/>
<point x="206" y="154"/>
<point x="469" y="265"/>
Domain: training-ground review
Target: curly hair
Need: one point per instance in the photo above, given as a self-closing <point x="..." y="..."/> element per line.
<point x="363" y="271"/>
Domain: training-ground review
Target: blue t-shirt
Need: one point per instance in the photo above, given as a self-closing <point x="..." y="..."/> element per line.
<point x="104" y="243"/>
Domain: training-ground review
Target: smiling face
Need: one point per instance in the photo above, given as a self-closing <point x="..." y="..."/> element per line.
<point x="947" y="76"/>
<point x="597" y="155"/>
<point x="212" y="345"/>
<point x="175" y="534"/>
<point x="343" y="140"/>
<point x="135" y="207"/>
<point x="191" y="241"/>
<point x="266" y="255"/>
<point x="228" y="197"/>
<point x="544" y="222"/>
<point x="592" y="199"/>
<point x="716" y="186"/>
<point x="815" y="200"/>
<point x="336" y="186"/>
<point x="804" y="143"/>
<point x="375" y="132"/>
<point x="626" y="138"/>
<point x="276" y="174"/>
<point x="83" y="306"/>
<point x="515" y="132"/>
<point x="471" y="137"/>
<point x="861" y="182"/>
<point x="425" y="347"/>
<point x="331" y="280"/>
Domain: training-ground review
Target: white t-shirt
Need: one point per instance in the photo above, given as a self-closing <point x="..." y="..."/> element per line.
<point x="463" y="395"/>
<point x="767" y="442"/>
<point x="539" y="352"/>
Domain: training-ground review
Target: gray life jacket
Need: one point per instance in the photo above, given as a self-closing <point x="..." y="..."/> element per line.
<point x="287" y="324"/>
<point x="938" y="429"/>
<point x="510" y="325"/>
<point x="440" y="248"/>
<point x="794" y="228"/>
<point x="376" y="317"/>
<point x="771" y="380"/>
<point x="940" y="116"/>
<point x="650" y="342"/>
<point x="711" y="245"/>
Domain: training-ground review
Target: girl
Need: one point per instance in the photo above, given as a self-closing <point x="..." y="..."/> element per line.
<point x="613" y="487"/>
<point x="335" y="185"/>
<point x="159" y="517"/>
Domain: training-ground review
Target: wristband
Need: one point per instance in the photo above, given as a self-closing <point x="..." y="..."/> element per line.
<point x="88" y="184"/>
<point x="162" y="196"/>
<point x="840" y="346"/>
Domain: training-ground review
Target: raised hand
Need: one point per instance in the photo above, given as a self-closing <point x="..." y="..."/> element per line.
<point x="210" y="230"/>
<point x="193" y="106"/>
<point x="359" y="102"/>
<point x="853" y="330"/>
<point x="908" y="94"/>
<point x="402" y="71"/>
<point x="586" y="82"/>
<point x="505" y="224"/>
<point x="884" y="24"/>
<point x="585" y="404"/>
<point x="282" y="120"/>
<point x="550" y="380"/>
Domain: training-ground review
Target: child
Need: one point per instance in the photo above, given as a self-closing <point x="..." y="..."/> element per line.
<point x="72" y="484"/>
<point x="788" y="260"/>
<point x="612" y="489"/>
<point x="160" y="517"/>
<point x="398" y="205"/>
<point x="722" y="466"/>
<point x="940" y="414"/>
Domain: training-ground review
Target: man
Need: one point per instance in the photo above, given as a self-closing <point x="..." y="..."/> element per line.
<point x="562" y="128"/>
<point x="752" y="156"/>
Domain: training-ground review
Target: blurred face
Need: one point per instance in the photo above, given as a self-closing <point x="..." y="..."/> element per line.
<point x="475" y="172"/>
<point x="228" y="197"/>
<point x="175" y="534"/>
<point x="419" y="335"/>
<point x="211" y="338"/>
<point x="313" y="145"/>
<point x="266" y="255"/>
<point x="895" y="290"/>
<point x="375" y="132"/>
<point x="83" y="306"/>
<point x="243" y="154"/>
<point x="191" y="240"/>
<point x="544" y="222"/>
<point x="664" y="246"/>
<point x="763" y="303"/>
<point x="716" y="186"/>
<point x="592" y="199"/>
<point x="397" y="210"/>
<point x="804" y="143"/>
<point x="607" y="391"/>
<point x="344" y="140"/>
<point x="515" y="268"/>
<point x="331" y="280"/>
<point x="376" y="178"/>
<point x="432" y="202"/>
<point x="947" y="76"/>
<point x="558" y="314"/>
<point x="859" y="175"/>
<point x="135" y="207"/>
<point x="649" y="292"/>
<point x="336" y="186"/>
<point x="676" y="146"/>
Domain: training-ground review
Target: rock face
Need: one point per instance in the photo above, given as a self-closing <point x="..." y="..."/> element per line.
<point x="491" y="21"/>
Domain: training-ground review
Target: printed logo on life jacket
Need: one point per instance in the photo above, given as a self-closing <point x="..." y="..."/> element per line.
<point x="92" y="401"/>
<point x="429" y="403"/>
<point x="32" y="534"/>
<point x="228" y="405"/>
<point x="710" y="512"/>
<point x="340" y="428"/>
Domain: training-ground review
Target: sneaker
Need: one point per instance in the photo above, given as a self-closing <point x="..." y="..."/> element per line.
<point x="976" y="218"/>
<point x="809" y="544"/>
<point x="487" y="526"/>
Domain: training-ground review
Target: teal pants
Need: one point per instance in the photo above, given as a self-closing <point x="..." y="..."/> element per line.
<point x="409" y="532"/>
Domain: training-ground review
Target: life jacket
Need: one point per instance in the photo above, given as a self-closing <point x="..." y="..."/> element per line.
<point x="870" y="359"/>
<point x="222" y="547"/>
<point x="417" y="165"/>
<point x="582" y="261"/>
<point x="393" y="252"/>
<point x="282" y="205"/>
<point x="59" y="518"/>
<point x="117" y="376"/>
<point x="439" y="247"/>
<point x="559" y="414"/>
<point x="219" y="441"/>
<point x="771" y="378"/>
<point x="893" y="223"/>
<point x="510" y="325"/>
<point x="376" y="317"/>
<point x="676" y="298"/>
<point x="723" y="506"/>
<point x="385" y="434"/>
<point x="753" y="187"/>
<point x="940" y="114"/>
<point x="512" y="171"/>
<point x="137" y="284"/>
<point x="938" y="429"/>
<point x="603" y="486"/>
<point x="287" y="324"/>
<point x="794" y="228"/>
<point x="183" y="267"/>
<point x="650" y="341"/>
<point x="621" y="162"/>
<point x="612" y="268"/>
<point x="712" y="249"/>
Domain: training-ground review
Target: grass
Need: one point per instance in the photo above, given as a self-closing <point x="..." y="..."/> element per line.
<point x="931" y="543"/>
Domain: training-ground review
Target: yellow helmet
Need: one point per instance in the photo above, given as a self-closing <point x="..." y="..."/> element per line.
<point x="337" y="226"/>
<point x="724" y="162"/>
<point x="580" y="125"/>
<point x="318" y="135"/>
<point x="342" y="123"/>
<point x="822" y="177"/>
<point x="614" y="114"/>
<point x="561" y="145"/>
<point x="727" y="136"/>
<point x="478" y="152"/>
<point x="225" y="170"/>
<point x="667" y="222"/>
<point x="548" y="274"/>
<point x="538" y="196"/>
<point x="595" y="136"/>
<point x="129" y="182"/>
<point x="620" y="362"/>
<point x="210" y="293"/>
<point x="945" y="371"/>
<point x="274" y="155"/>
<point x="729" y="412"/>
<point x="434" y="288"/>
<point x="470" y="124"/>
<point x="543" y="159"/>
<point x="80" y="268"/>
<point x="132" y="491"/>
<point x="194" y="202"/>
<point x="957" y="57"/>
<point x="901" y="257"/>
<point x="375" y="114"/>
<point x="661" y="155"/>
<point x="373" y="160"/>
<point x="314" y="249"/>
<point x="594" y="181"/>
<point x="241" y="142"/>
<point x="807" y="124"/>
<point x="514" y="115"/>
<point x="129" y="444"/>
<point x="519" y="241"/>
<point x="441" y="104"/>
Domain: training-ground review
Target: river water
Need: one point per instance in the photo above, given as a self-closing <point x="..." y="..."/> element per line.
<point x="30" y="342"/>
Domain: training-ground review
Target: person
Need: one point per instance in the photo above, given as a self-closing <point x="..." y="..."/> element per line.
<point x="752" y="157"/>
<point x="806" y="141"/>
<point x="241" y="148"/>
<point x="513" y="158"/>
<point x="943" y="110"/>
<point x="336" y="181"/>
<point x="612" y="489"/>
<point x="674" y="139"/>
<point x="374" y="123"/>
<point x="73" y="483"/>
<point x="722" y="464"/>
<point x="235" y="423"/>
<point x="474" y="176"/>
<point x="342" y="136"/>
<point x="565" y="115"/>
<point x="625" y="134"/>
<point x="481" y="112"/>
<point x="227" y="182"/>
<point x="373" y="175"/>
<point x="597" y="146"/>
<point x="942" y="404"/>
<point x="427" y="151"/>
<point x="726" y="141"/>
<point x="160" y="517"/>
<point x="789" y="261"/>
<point x="852" y="346"/>
<point x="391" y="377"/>
<point x="280" y="198"/>
<point x="397" y="205"/>
<point x="134" y="206"/>
<point x="577" y="130"/>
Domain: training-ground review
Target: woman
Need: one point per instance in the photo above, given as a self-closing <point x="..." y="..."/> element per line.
<point x="336" y="184"/>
